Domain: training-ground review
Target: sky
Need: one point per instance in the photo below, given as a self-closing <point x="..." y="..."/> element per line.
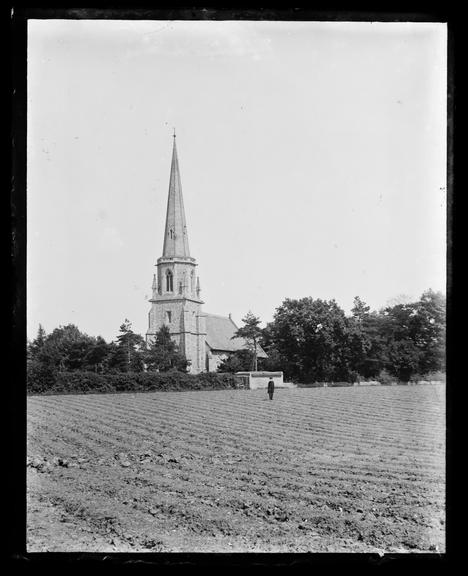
<point x="312" y="158"/>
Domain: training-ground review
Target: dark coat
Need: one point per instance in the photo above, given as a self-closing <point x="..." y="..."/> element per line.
<point x="271" y="386"/>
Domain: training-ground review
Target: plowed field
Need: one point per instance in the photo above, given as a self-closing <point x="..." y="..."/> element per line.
<point x="320" y="470"/>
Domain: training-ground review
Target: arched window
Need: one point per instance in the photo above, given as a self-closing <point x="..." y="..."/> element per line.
<point x="169" y="281"/>
<point x="192" y="279"/>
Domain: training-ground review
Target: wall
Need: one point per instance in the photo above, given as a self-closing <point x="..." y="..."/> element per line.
<point x="187" y="325"/>
<point x="261" y="379"/>
<point x="214" y="359"/>
<point x="194" y="337"/>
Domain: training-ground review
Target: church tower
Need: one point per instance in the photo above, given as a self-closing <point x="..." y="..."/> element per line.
<point x="176" y="298"/>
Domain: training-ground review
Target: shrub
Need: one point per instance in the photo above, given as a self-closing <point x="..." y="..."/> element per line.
<point x="429" y="377"/>
<point x="385" y="378"/>
<point x="435" y="376"/>
<point x="89" y="382"/>
<point x="40" y="377"/>
<point x="80" y="382"/>
<point x="337" y="384"/>
<point x="351" y="377"/>
<point x="312" y="384"/>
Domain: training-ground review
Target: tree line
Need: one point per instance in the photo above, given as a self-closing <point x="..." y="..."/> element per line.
<point x="310" y="340"/>
<point x="67" y="349"/>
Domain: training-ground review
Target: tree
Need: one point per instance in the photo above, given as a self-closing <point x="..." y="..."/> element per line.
<point x="414" y="336"/>
<point x="313" y="338"/>
<point x="360" y="311"/>
<point x="359" y="343"/>
<point x="376" y="355"/>
<point x="398" y="299"/>
<point x="128" y="353"/>
<point x="35" y="347"/>
<point x="251" y="332"/>
<point x="365" y="343"/>
<point x="404" y="358"/>
<point x="163" y="354"/>
<point x="97" y="355"/>
<point x="431" y="318"/>
<point x="63" y="349"/>
<point x="238" y="361"/>
<point x="274" y="360"/>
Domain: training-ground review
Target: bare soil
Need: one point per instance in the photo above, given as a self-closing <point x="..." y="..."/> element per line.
<point x="314" y="470"/>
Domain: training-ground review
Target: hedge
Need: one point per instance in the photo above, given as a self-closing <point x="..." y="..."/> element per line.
<point x="324" y="384"/>
<point x="91" y="383"/>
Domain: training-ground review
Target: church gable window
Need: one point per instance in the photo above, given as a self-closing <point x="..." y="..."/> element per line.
<point x="169" y="281"/>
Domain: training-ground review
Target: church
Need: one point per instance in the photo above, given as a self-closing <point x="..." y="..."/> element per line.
<point x="205" y="339"/>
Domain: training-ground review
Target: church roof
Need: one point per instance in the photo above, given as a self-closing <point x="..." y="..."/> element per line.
<point x="175" y="236"/>
<point x="219" y="333"/>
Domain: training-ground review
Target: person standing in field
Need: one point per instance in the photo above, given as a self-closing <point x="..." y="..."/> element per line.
<point x="271" y="388"/>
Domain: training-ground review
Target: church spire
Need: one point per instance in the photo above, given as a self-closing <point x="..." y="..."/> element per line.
<point x="175" y="238"/>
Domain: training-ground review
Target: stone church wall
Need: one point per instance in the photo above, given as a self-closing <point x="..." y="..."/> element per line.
<point x="214" y="359"/>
